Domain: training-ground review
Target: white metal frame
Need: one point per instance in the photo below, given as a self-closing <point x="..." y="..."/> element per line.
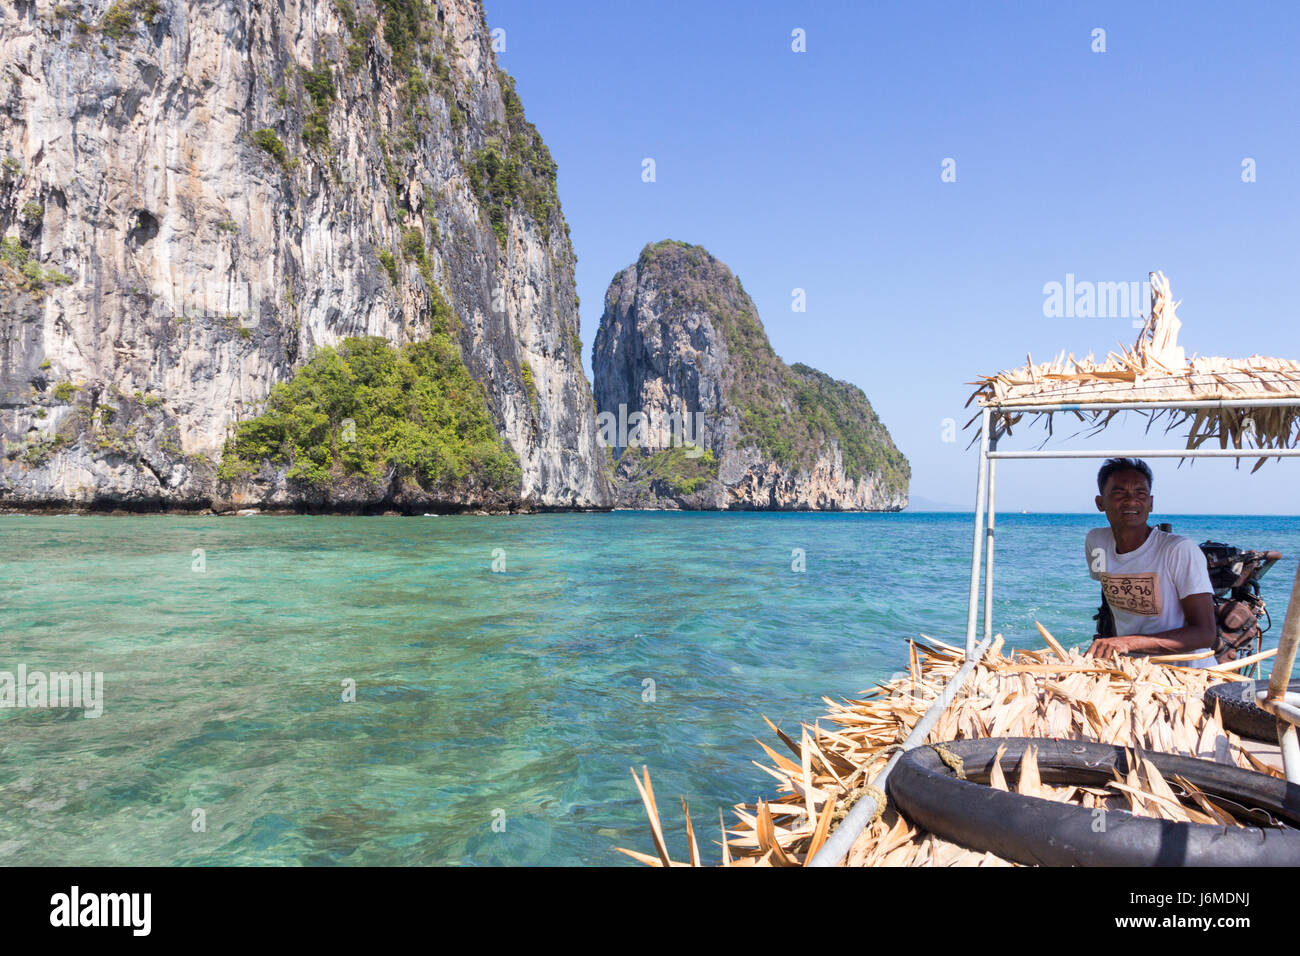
<point x="1274" y="699"/>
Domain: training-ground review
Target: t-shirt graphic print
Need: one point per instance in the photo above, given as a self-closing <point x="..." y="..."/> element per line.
<point x="1134" y="593"/>
<point x="1144" y="587"/>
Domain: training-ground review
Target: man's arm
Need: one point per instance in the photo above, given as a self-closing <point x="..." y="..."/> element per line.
<point x="1196" y="634"/>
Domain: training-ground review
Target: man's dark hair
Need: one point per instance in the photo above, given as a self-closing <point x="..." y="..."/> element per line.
<point x="1113" y="465"/>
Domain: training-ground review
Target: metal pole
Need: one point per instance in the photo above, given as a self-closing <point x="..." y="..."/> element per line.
<point x="988" y="553"/>
<point x="1157" y="453"/>
<point x="1286" y="645"/>
<point x="1290" y="746"/>
<point x="1289" y="708"/>
<point x="837" y="846"/>
<point x="1034" y="407"/>
<point x="981" y="488"/>
<point x="1283" y="664"/>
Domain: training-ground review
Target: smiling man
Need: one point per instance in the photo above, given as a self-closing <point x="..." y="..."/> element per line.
<point x="1156" y="584"/>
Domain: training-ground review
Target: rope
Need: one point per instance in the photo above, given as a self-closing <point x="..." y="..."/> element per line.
<point x="866" y="790"/>
<point x="951" y="759"/>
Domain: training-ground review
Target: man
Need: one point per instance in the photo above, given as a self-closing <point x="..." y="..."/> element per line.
<point x="1156" y="584"/>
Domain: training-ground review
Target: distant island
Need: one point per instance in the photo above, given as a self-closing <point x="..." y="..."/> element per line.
<point x="725" y="423"/>
<point x="918" y="503"/>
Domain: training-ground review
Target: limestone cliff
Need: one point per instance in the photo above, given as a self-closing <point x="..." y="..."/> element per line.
<point x="197" y="195"/>
<point x="681" y="357"/>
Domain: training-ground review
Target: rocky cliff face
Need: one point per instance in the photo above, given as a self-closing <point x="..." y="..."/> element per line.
<point x="681" y="357"/>
<point x="196" y="195"/>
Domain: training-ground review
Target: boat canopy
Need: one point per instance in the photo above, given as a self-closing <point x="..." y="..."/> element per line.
<point x="1243" y="403"/>
<point x="1251" y="406"/>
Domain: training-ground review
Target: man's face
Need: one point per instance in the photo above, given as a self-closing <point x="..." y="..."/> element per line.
<point x="1127" y="500"/>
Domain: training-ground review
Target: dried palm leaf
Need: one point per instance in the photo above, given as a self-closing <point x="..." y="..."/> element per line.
<point x="1128" y="701"/>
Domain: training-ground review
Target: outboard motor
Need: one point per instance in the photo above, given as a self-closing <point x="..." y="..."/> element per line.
<point x="1238" y="607"/>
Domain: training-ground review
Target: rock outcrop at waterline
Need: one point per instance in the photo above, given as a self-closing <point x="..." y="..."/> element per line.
<point x="197" y="196"/>
<point x="681" y="357"/>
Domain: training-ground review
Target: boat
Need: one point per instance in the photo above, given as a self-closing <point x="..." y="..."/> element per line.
<point x="914" y="771"/>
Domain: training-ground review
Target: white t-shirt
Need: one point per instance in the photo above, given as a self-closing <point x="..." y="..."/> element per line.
<point x="1144" y="587"/>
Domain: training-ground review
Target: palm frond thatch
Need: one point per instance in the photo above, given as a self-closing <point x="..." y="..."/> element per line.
<point x="1146" y="703"/>
<point x="1156" y="369"/>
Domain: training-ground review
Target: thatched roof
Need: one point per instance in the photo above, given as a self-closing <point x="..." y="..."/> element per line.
<point x="1156" y="369"/>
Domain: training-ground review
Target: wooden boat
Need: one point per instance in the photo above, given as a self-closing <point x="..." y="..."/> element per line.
<point x="833" y="806"/>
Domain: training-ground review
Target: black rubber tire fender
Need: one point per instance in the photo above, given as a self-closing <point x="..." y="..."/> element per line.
<point x="1241" y="714"/>
<point x="1037" y="831"/>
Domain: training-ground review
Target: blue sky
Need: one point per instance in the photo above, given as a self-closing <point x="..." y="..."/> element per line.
<point x="821" y="171"/>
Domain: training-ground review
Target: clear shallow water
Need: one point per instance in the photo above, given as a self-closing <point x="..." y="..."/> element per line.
<point x="481" y="696"/>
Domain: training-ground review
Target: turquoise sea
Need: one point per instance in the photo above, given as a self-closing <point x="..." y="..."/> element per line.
<point x="496" y="713"/>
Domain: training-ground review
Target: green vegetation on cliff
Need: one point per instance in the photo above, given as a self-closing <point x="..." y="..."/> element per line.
<point x="511" y="170"/>
<point x="793" y="432"/>
<point x="268" y="142"/>
<point x="369" y="409"/>
<point x="406" y="29"/>
<point x="514" y="170"/>
<point x="526" y="372"/>
<point x="684" y="474"/>
<point x="679" y="471"/>
<point x="120" y="17"/>
<point x="319" y="84"/>
<point x="18" y="268"/>
<point x="841" y="410"/>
